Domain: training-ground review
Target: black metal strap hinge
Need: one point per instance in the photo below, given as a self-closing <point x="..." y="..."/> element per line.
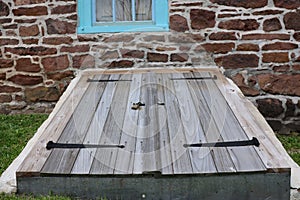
<point x="53" y="145"/>
<point x="254" y="142"/>
<point x="195" y="78"/>
<point x="111" y="80"/>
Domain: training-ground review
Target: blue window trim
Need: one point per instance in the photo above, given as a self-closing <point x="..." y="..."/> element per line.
<point x="86" y="22"/>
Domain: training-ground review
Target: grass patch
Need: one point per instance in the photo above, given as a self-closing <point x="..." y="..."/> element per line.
<point x="15" y="131"/>
<point x="292" y="145"/>
<point x="23" y="197"/>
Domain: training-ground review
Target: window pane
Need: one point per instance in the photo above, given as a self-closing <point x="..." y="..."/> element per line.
<point x="143" y="10"/>
<point x="104" y="11"/>
<point x="123" y="10"/>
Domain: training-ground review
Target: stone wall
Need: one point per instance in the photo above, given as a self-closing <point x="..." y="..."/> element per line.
<point x="255" y="41"/>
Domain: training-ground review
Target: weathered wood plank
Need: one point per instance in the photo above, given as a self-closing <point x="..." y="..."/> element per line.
<point x="201" y="159"/>
<point x="221" y="157"/>
<point x="105" y="159"/>
<point x="37" y="157"/>
<point x="92" y="72"/>
<point x="125" y="157"/>
<point x="61" y="160"/>
<point x="85" y="157"/>
<point x="166" y="163"/>
<point x="270" y="150"/>
<point x="244" y="158"/>
<point x="180" y="156"/>
<point x="147" y="130"/>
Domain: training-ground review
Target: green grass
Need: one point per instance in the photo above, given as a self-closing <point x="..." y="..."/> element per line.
<point x="15" y="131"/>
<point x="292" y="144"/>
<point x="23" y="197"/>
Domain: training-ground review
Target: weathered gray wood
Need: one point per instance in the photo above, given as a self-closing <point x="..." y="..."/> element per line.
<point x="147" y="130"/>
<point x="201" y="158"/>
<point x="221" y="157"/>
<point x="244" y="158"/>
<point x="37" y="157"/>
<point x="105" y="159"/>
<point x="85" y="157"/>
<point x="193" y="111"/>
<point x="180" y="156"/>
<point x="125" y="157"/>
<point x="270" y="150"/>
<point x="166" y="162"/>
<point x="61" y="160"/>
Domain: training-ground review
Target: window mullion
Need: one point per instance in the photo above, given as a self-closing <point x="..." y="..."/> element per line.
<point x="133" y="9"/>
<point x="114" y="10"/>
<point x="153" y="10"/>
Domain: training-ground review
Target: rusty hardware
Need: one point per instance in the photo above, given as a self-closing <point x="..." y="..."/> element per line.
<point x="136" y="106"/>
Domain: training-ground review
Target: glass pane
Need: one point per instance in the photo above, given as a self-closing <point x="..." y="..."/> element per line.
<point x="104" y="11"/>
<point x="123" y="10"/>
<point x="143" y="10"/>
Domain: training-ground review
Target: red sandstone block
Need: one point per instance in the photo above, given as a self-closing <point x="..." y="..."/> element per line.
<point x="178" y="23"/>
<point x="77" y="48"/>
<point x="157" y="57"/>
<point x="36" y="50"/>
<point x="239" y="3"/>
<point x="26" y="31"/>
<point x="25" y="65"/>
<point x="83" y="61"/>
<point x="179" y="57"/>
<point x="219" y="47"/>
<point x="276" y="57"/>
<point x="236" y="61"/>
<point x="5" y="98"/>
<point x="26" y="79"/>
<point x="248" y="47"/>
<point x="6" y="63"/>
<point x="63" y="9"/>
<point x="31" y="11"/>
<point x="280" y="46"/>
<point x="285" y="84"/>
<point x="223" y="36"/>
<point x="239" y="24"/>
<point x="57" y="40"/>
<point x="55" y="63"/>
<point x="201" y="19"/>
<point x="9" y="89"/>
<point x="262" y="36"/>
<point x="7" y="41"/>
<point x="290" y="4"/>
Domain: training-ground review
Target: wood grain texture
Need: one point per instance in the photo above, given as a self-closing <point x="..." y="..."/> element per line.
<point x="270" y="150"/>
<point x="203" y="101"/>
<point x="166" y="162"/>
<point x="201" y="158"/>
<point x="125" y="157"/>
<point x="176" y="112"/>
<point x="85" y="157"/>
<point x="244" y="158"/>
<point x="37" y="157"/>
<point x="61" y="160"/>
<point x="145" y="159"/>
<point x="105" y="159"/>
<point x="180" y="156"/>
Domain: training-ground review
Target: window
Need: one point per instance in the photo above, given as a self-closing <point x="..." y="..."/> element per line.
<point x="96" y="16"/>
